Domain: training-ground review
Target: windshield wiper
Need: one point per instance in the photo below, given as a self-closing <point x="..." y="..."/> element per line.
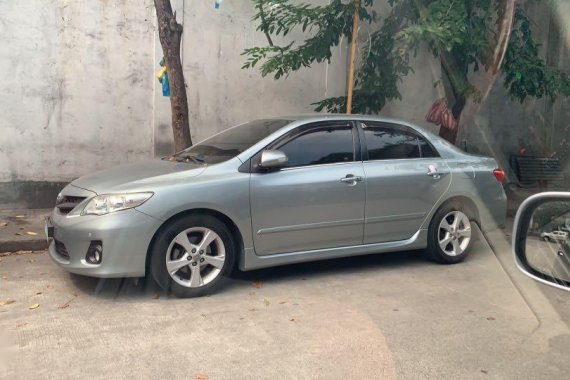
<point x="185" y="157"/>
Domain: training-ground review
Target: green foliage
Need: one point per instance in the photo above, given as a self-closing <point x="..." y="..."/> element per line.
<point x="460" y="33"/>
<point x="329" y="23"/>
<point x="526" y="73"/>
<point x="384" y="67"/>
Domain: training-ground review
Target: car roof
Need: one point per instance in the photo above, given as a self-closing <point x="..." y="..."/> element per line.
<point x="314" y="117"/>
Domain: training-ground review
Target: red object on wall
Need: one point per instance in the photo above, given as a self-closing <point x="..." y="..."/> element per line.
<point x="440" y="114"/>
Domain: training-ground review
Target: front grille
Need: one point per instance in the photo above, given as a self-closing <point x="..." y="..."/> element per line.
<point x="68" y="203"/>
<point x="61" y="250"/>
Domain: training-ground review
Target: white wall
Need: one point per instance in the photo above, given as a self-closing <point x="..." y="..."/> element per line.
<point x="79" y="93"/>
<point x="76" y="88"/>
<point x="220" y="93"/>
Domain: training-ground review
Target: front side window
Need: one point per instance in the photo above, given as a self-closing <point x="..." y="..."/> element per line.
<point x="389" y="143"/>
<point x="320" y="145"/>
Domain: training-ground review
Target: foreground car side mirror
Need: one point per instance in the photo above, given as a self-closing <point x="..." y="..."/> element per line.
<point x="541" y="241"/>
<point x="273" y="159"/>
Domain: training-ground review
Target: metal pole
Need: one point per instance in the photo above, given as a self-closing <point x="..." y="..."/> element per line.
<point x="352" y="56"/>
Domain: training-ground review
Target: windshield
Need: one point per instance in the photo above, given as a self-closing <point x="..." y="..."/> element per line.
<point x="231" y="142"/>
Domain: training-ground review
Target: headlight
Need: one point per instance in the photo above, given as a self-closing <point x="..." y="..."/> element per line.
<point x="107" y="203"/>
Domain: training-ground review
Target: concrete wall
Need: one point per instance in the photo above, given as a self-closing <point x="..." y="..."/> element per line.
<point x="220" y="93"/>
<point x="75" y="94"/>
<point x="79" y="93"/>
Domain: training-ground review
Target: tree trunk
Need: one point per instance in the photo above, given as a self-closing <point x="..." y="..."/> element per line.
<point x="454" y="78"/>
<point x="465" y="111"/>
<point x="170" y="34"/>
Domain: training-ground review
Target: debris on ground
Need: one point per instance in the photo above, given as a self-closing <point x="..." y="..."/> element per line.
<point x="6" y="302"/>
<point x="34" y="306"/>
<point x="21" y="252"/>
<point x="257" y="284"/>
<point x="66" y="305"/>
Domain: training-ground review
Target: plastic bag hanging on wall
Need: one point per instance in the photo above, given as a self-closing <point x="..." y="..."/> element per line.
<point x="162" y="77"/>
<point x="165" y="85"/>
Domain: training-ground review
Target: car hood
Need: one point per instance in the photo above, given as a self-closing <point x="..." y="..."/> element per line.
<point x="137" y="176"/>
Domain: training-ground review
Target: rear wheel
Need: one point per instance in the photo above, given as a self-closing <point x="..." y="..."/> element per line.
<point x="192" y="256"/>
<point x="450" y="234"/>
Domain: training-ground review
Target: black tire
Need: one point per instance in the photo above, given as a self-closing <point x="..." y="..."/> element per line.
<point x="434" y="252"/>
<point x="161" y="245"/>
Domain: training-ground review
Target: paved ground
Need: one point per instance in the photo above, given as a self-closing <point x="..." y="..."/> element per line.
<point x="383" y="316"/>
<point x="22" y="230"/>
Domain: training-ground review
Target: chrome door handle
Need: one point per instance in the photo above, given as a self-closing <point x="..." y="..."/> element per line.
<point x="432" y="172"/>
<point x="351" y="179"/>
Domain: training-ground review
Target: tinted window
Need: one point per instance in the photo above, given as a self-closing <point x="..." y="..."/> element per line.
<point x="386" y="143"/>
<point x="320" y="145"/>
<point x="233" y="141"/>
<point x="427" y="151"/>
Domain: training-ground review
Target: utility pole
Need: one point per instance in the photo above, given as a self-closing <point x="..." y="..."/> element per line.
<point x="352" y="56"/>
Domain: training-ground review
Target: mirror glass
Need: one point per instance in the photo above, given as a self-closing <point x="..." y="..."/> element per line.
<point x="547" y="249"/>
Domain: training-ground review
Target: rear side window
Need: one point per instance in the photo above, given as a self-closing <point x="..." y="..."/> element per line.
<point x="384" y="143"/>
<point x="389" y="143"/>
<point x="426" y="150"/>
<point x="320" y="145"/>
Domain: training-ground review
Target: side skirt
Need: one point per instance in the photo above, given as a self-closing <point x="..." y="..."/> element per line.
<point x="250" y="261"/>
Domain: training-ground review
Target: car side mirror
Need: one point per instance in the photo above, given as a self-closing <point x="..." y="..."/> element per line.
<point x="541" y="242"/>
<point x="273" y="159"/>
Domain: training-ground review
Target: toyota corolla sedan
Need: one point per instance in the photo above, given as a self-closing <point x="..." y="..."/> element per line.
<point x="274" y="192"/>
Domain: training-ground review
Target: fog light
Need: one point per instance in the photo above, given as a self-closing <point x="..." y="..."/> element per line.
<point x="95" y="252"/>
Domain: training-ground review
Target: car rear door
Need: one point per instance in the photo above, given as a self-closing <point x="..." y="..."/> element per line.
<point x="317" y="200"/>
<point x="405" y="177"/>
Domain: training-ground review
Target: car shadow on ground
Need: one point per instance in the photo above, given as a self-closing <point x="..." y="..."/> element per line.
<point x="119" y="288"/>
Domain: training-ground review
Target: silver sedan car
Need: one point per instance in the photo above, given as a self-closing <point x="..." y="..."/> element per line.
<point x="273" y="192"/>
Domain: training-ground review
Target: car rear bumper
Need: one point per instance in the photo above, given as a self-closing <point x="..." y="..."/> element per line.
<point x="124" y="236"/>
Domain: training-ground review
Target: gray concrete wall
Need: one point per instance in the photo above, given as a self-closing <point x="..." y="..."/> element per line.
<point x="220" y="93"/>
<point x="76" y="88"/>
<point x="79" y="93"/>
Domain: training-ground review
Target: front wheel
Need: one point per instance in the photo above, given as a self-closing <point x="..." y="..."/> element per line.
<point x="192" y="256"/>
<point x="450" y="235"/>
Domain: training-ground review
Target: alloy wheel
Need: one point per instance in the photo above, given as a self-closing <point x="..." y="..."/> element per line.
<point x="195" y="257"/>
<point x="454" y="233"/>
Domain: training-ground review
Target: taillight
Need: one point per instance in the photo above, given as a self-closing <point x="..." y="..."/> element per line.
<point x="499" y="174"/>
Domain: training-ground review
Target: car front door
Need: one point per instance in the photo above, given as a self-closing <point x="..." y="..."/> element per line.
<point x="399" y="191"/>
<point x="316" y="200"/>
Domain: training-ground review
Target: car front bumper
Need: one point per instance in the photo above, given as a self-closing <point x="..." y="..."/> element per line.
<point x="125" y="237"/>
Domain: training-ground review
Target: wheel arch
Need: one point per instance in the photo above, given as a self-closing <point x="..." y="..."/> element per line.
<point x="469" y="204"/>
<point x="236" y="233"/>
